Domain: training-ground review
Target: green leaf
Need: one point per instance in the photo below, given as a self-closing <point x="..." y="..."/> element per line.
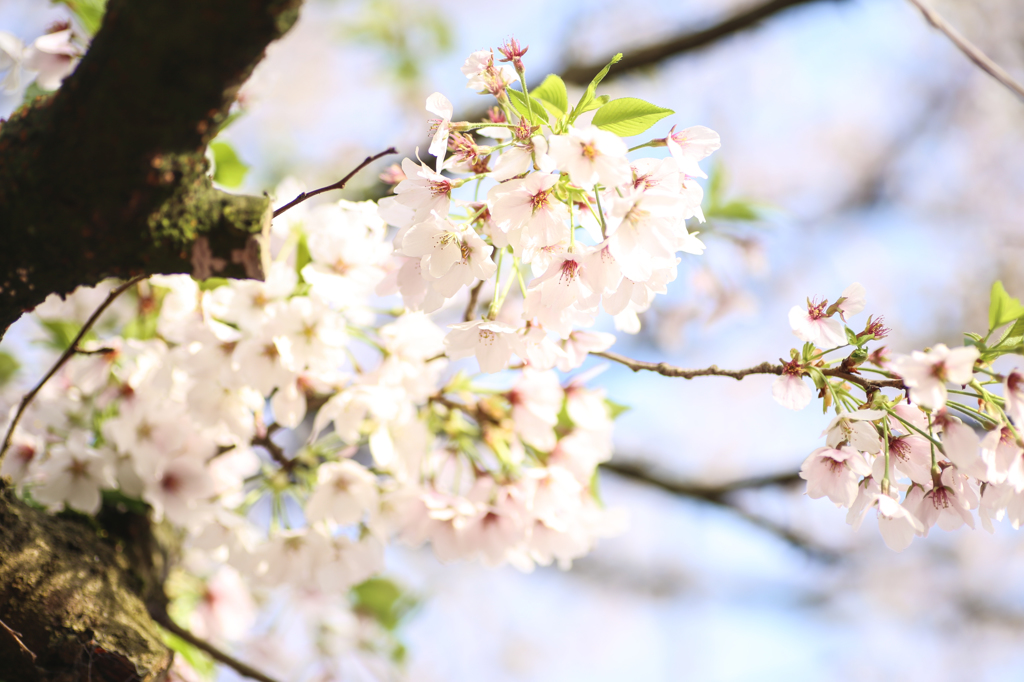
<point x="228" y="169"/>
<point x="733" y="210"/>
<point x="518" y="100"/>
<point x="591" y="91"/>
<point x="552" y="92"/>
<point x="1003" y="307"/>
<point x="142" y="327"/>
<point x="61" y="333"/>
<point x="196" y="658"/>
<point x="615" y="409"/>
<point x="89" y="12"/>
<point x="9" y="366"/>
<point x="1013" y="337"/>
<point x="302" y="255"/>
<point x="384" y="600"/>
<point x="211" y="283"/>
<point x="628" y="116"/>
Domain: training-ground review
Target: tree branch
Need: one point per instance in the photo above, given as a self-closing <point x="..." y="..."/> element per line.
<point x="720" y="496"/>
<point x="338" y="185"/>
<point x="969" y="49"/>
<point x="76" y="601"/>
<point x="474" y="296"/>
<point x="68" y="352"/>
<point x="16" y="636"/>
<point x="738" y="374"/>
<point x="165" y="622"/>
<point x="582" y="72"/>
<point x="108" y="176"/>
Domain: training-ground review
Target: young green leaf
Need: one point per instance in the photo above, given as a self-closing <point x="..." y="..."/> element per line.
<point x="89" y="13"/>
<point x="552" y="92"/>
<point x="228" y="169"/>
<point x="628" y="116"/>
<point x="596" y="103"/>
<point x="615" y="409"/>
<point x="9" y="366"/>
<point x="734" y="210"/>
<point x="1003" y="307"/>
<point x="383" y="600"/>
<point x="518" y="100"/>
<point x="591" y="91"/>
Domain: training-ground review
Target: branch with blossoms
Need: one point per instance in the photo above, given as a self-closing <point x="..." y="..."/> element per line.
<point x="879" y="448"/>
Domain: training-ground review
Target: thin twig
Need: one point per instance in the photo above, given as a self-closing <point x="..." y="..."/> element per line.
<point x="474" y="296"/>
<point x="68" y="352"/>
<point x="166" y="623"/>
<point x="970" y="49"/>
<point x="720" y="496"/>
<point x="738" y="374"/>
<point x="17" y="638"/>
<point x="338" y="185"/>
<point x="277" y="453"/>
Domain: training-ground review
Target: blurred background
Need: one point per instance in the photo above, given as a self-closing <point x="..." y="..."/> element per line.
<point x="873" y="151"/>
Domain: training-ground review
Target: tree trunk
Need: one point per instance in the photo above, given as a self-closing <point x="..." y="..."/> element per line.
<point x="107" y="177"/>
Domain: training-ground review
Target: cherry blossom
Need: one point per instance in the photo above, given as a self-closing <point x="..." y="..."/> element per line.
<point x="490" y="342"/>
<point x="814" y="325"/>
<point x="834" y="473"/>
<point x="690" y="145"/>
<point x="591" y="156"/>
<point x="926" y="374"/>
<point x="790" y="390"/>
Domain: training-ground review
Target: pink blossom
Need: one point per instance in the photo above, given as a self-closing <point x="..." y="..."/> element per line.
<point x="926" y="374"/>
<point x="527" y="208"/>
<point x="790" y="390"/>
<point x="949" y="504"/>
<point x="854" y="428"/>
<point x="490" y="342"/>
<point x="591" y="156"/>
<point x="439" y="104"/>
<point x="852" y="300"/>
<point x="690" y="145"/>
<point x="1014" y="394"/>
<point x="345" y="491"/>
<point x="834" y="474"/>
<point x="895" y="522"/>
<point x="814" y="325"/>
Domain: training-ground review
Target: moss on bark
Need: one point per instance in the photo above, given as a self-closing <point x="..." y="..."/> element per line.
<point x="107" y="177"/>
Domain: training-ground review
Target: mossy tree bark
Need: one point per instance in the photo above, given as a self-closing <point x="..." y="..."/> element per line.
<point x="107" y="177"/>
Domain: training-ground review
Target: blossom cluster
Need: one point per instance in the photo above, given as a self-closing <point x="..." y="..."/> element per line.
<point x="952" y="462"/>
<point x="297" y="425"/>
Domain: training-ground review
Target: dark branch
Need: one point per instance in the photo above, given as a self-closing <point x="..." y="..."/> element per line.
<point x="108" y="176"/>
<point x="16" y="636"/>
<point x="738" y="374"/>
<point x="721" y="496"/>
<point x="969" y="49"/>
<point x="68" y="352"/>
<point x="716" y="493"/>
<point x="688" y="41"/>
<point x="276" y="452"/>
<point x="338" y="185"/>
<point x="474" y="296"/>
<point x="241" y="668"/>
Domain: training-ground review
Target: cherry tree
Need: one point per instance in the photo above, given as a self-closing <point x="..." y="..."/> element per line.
<point x="254" y="396"/>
